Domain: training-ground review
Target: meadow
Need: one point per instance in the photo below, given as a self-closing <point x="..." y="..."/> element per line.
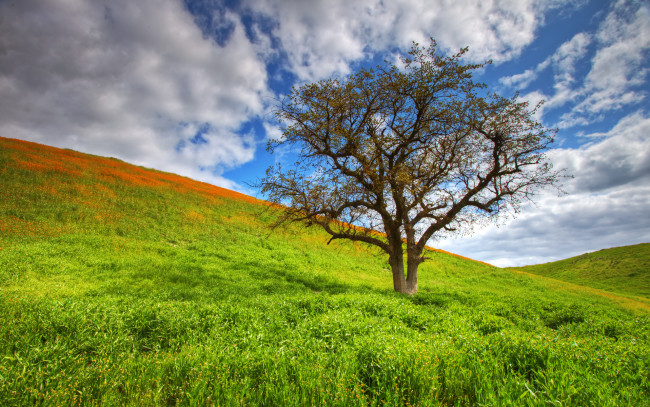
<point x="624" y="270"/>
<point x="121" y="285"/>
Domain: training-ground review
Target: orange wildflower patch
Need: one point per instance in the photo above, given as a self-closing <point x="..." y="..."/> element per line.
<point x="76" y="159"/>
<point x="130" y="178"/>
<point x="184" y="184"/>
<point x="81" y="162"/>
<point x="12" y="225"/>
<point x="86" y="197"/>
<point x="40" y="158"/>
<point x="48" y="188"/>
<point x="107" y="217"/>
<point x="44" y="164"/>
<point x="194" y="216"/>
<point x="104" y="191"/>
<point x="45" y="158"/>
<point x="21" y="145"/>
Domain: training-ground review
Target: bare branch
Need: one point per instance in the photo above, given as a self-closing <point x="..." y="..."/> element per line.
<point x="407" y="152"/>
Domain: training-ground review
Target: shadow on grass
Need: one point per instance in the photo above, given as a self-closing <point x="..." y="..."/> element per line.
<point x="319" y="283"/>
<point x="243" y="281"/>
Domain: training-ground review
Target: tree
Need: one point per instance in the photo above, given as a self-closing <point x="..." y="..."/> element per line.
<point x="394" y="155"/>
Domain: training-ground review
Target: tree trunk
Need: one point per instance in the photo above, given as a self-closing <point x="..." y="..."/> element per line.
<point x="401" y="284"/>
<point x="412" y="274"/>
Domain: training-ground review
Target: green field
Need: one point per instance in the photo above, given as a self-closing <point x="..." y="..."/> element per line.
<point x="623" y="270"/>
<point x="126" y="286"/>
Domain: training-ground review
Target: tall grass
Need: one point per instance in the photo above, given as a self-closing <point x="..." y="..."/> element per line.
<point x="624" y="270"/>
<point x="133" y="287"/>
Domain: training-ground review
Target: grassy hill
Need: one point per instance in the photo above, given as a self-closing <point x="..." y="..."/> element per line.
<point x="121" y="285"/>
<point x="624" y="270"/>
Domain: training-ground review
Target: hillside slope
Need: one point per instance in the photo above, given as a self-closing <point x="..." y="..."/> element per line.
<point x="121" y="285"/>
<point x="624" y="270"/>
<point x="70" y="198"/>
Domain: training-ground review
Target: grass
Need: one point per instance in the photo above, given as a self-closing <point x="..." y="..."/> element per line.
<point x="622" y="270"/>
<point x="126" y="286"/>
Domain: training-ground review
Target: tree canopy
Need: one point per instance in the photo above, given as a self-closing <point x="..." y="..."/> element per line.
<point x="394" y="155"/>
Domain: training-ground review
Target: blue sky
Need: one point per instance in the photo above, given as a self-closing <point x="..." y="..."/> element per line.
<point x="189" y="87"/>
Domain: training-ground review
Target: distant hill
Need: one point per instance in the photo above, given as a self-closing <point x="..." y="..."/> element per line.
<point x="624" y="270"/>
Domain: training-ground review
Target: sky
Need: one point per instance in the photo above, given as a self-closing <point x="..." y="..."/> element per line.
<point x="190" y="87"/>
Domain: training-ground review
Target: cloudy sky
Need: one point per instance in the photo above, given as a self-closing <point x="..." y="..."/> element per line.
<point x="189" y="87"/>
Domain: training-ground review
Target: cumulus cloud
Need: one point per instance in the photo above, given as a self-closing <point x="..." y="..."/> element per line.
<point x="317" y="37"/>
<point x="619" y="66"/>
<point x="606" y="205"/>
<point x="562" y="227"/>
<point x="520" y="80"/>
<point x="621" y="157"/>
<point x="156" y="85"/>
<point x="128" y="79"/>
<point x="324" y="37"/>
<point x="171" y="85"/>
<point x="568" y="54"/>
<point x="563" y="62"/>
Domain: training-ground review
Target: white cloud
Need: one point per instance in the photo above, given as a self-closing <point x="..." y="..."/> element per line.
<point x="606" y="206"/>
<point x="533" y="99"/>
<point x="521" y="80"/>
<point x="569" y="53"/>
<point x="563" y="62"/>
<point x="120" y="77"/>
<point x="317" y="36"/>
<point x="619" y="65"/>
<point x="559" y="228"/>
<point x="322" y="38"/>
<point x="132" y="79"/>
<point x="273" y="132"/>
<point x="621" y="157"/>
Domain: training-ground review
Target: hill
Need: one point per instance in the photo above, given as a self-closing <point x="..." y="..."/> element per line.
<point x="623" y="270"/>
<point x="121" y="285"/>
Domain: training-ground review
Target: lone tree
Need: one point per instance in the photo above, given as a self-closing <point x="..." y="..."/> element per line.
<point x="394" y="155"/>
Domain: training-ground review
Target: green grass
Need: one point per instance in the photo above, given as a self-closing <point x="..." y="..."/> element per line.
<point x="134" y="287"/>
<point x="623" y="270"/>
